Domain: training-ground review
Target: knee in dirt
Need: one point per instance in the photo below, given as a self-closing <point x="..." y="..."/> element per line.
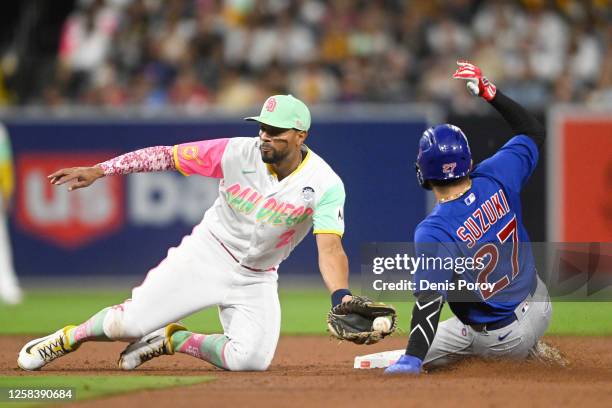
<point x="241" y="358"/>
<point x="117" y="327"/>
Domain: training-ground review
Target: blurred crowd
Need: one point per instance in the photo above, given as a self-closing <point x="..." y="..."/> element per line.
<point x="233" y="53"/>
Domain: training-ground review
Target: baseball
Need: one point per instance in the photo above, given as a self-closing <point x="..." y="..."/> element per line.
<point x="382" y="324"/>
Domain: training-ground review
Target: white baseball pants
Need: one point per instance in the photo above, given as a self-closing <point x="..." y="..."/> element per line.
<point x="199" y="274"/>
<point x="455" y="340"/>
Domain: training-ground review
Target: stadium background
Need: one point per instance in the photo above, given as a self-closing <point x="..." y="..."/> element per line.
<point x="81" y="81"/>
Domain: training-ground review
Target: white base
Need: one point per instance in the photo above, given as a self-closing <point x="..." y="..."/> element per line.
<point x="378" y="360"/>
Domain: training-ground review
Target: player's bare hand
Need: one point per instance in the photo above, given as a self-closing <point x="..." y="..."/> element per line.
<point x="76" y="177"/>
<point x="477" y="83"/>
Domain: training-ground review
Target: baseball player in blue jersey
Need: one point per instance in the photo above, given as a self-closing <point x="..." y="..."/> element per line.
<point x="478" y="215"/>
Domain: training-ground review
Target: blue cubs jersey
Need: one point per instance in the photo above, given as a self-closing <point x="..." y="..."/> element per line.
<point x="485" y="225"/>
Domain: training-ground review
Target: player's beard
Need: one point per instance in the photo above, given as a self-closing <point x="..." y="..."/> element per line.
<point x="272" y="156"/>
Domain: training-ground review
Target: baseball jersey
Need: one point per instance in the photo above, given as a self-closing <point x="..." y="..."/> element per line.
<point x="257" y="217"/>
<point x="485" y="222"/>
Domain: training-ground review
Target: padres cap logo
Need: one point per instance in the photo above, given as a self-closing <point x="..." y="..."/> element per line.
<point x="271" y="104"/>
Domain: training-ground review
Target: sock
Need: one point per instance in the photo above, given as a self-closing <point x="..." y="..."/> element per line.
<point x="92" y="329"/>
<point x="208" y="347"/>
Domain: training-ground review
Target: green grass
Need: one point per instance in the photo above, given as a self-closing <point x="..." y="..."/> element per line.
<point x="303" y="312"/>
<point x="87" y="387"/>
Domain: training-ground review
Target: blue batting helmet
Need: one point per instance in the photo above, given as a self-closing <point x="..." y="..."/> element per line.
<point x="444" y="154"/>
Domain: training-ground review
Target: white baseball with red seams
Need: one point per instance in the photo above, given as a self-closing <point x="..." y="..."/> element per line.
<point x="382" y="324"/>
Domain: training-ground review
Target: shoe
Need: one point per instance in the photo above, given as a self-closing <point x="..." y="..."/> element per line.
<point x="39" y="352"/>
<point x="405" y="365"/>
<point x="148" y="347"/>
<point x="548" y="354"/>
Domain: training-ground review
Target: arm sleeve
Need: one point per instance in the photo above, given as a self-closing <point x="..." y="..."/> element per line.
<point x="520" y="120"/>
<point x="149" y="159"/>
<point x="328" y="217"/>
<point x="424" y="323"/>
<point x="429" y="245"/>
<point x="203" y="157"/>
<point x="513" y="164"/>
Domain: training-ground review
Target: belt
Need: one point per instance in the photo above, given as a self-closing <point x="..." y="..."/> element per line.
<point x="236" y="259"/>
<point x="500" y="324"/>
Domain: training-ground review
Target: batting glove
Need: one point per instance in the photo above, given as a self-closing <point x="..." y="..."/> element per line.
<point x="405" y="365"/>
<point x="477" y="84"/>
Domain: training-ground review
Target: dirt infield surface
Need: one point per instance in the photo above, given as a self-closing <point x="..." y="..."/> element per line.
<point x="316" y="371"/>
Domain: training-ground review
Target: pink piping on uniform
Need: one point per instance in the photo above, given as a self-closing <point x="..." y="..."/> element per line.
<point x="223" y="355"/>
<point x="237" y="260"/>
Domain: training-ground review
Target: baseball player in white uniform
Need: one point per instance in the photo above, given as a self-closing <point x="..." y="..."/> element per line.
<point x="272" y="190"/>
<point x="10" y="292"/>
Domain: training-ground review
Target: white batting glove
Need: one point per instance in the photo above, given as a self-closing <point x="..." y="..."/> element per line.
<point x="477" y="84"/>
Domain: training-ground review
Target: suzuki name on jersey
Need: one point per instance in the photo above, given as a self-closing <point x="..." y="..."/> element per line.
<point x="490" y="211"/>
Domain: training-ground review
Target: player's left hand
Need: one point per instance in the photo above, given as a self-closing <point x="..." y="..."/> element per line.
<point x="405" y="365"/>
<point x="347" y="298"/>
<point x="352" y="320"/>
<point x="477" y="83"/>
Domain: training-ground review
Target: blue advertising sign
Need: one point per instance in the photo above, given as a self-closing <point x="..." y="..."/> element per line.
<point x="124" y="225"/>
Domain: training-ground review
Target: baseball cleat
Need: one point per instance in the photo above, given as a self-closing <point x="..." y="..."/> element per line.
<point x="548" y="354"/>
<point x="39" y="352"/>
<point x="155" y="344"/>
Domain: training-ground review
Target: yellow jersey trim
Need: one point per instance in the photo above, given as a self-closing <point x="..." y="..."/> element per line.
<point x="177" y="164"/>
<point x="340" y="234"/>
<point x="298" y="168"/>
<point x="271" y="170"/>
<point x="302" y="164"/>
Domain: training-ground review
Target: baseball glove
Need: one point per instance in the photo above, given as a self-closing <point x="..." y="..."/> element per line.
<point x="353" y="320"/>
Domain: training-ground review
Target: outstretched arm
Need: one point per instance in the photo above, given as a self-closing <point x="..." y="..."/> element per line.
<point x="520" y="120"/>
<point x="157" y="158"/>
<point x="203" y="158"/>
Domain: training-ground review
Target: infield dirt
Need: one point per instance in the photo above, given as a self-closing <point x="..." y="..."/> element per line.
<point x="317" y="371"/>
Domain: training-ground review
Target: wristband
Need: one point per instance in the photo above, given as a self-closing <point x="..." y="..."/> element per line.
<point x="336" y="297"/>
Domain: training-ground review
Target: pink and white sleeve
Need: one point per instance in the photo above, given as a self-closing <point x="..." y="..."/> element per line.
<point x="157" y="158"/>
<point x="203" y="157"/>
